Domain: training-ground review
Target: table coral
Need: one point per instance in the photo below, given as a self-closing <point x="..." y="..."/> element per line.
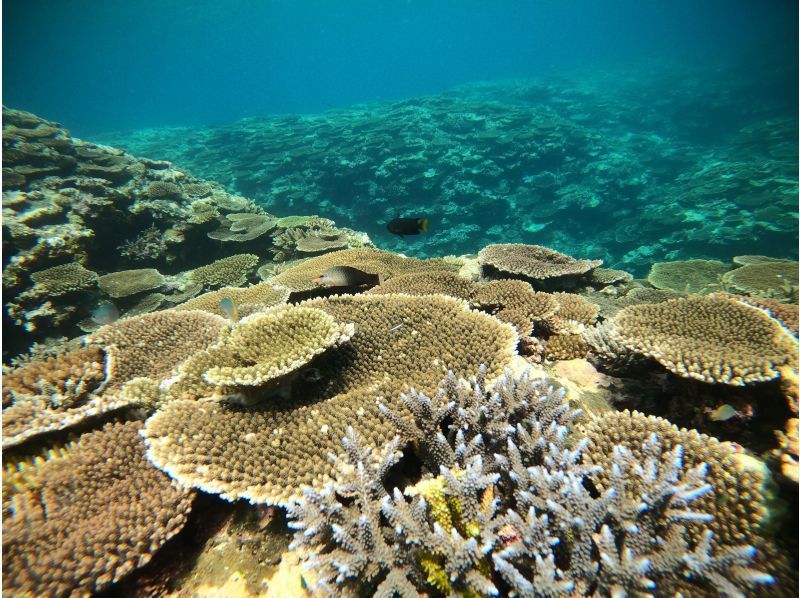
<point x="154" y="344"/>
<point x="130" y="282"/>
<point x="60" y="280"/>
<point x="85" y="518"/>
<point x="373" y="261"/>
<point x="712" y="339"/>
<point x="534" y="262"/>
<point x="266" y="452"/>
<point x="229" y="271"/>
<point x="245" y="300"/>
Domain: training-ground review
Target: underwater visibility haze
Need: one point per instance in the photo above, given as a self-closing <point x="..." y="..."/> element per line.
<point x="400" y="298"/>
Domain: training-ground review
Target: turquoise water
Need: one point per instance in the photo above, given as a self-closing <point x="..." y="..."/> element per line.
<point x="634" y="132"/>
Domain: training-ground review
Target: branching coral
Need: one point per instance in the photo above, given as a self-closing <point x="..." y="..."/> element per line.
<point x="527" y="520"/>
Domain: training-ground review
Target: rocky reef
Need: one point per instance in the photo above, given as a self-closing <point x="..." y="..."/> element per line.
<point x="521" y="421"/>
<point x="628" y="168"/>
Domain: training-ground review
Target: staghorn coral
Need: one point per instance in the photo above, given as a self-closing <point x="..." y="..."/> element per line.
<point x="260" y="351"/>
<point x="130" y="282"/>
<point x="711" y="338"/>
<point x="229" y="271"/>
<point x="442" y="282"/>
<point x="699" y="277"/>
<point x="88" y="516"/>
<point x="243" y="227"/>
<point x="153" y="344"/>
<point x="370" y="260"/>
<point x="534" y="262"/>
<point x="523" y="522"/>
<point x="267" y="451"/>
<point x="60" y="280"/>
<point x="776" y="279"/>
<point x="150" y="244"/>
<point x="245" y="300"/>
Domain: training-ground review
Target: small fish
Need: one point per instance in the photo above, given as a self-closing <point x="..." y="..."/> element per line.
<point x="227" y="305"/>
<point x="723" y="413"/>
<point x="107" y="313"/>
<point x="408" y="226"/>
<point x="345" y="276"/>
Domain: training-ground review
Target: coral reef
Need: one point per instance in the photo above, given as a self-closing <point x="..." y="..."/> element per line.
<point x="75" y="212"/>
<point x="408" y="467"/>
<point x="626" y="166"/>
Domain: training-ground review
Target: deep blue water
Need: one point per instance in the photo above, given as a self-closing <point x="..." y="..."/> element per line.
<point x="108" y="65"/>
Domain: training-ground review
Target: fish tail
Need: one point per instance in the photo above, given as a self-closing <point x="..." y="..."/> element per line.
<point x="423" y="225"/>
<point x="380" y="279"/>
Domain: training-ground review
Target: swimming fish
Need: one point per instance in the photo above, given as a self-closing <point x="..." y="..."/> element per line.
<point x="107" y="313"/>
<point x="226" y="304"/>
<point x="345" y="276"/>
<point x="408" y="226"/>
<point x="723" y="413"/>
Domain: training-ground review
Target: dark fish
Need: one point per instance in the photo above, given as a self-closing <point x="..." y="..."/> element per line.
<point x="107" y="313"/>
<point x="345" y="276"/>
<point x="408" y="226"/>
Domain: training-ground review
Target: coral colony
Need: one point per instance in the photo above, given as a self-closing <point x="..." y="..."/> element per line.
<point x="516" y="422"/>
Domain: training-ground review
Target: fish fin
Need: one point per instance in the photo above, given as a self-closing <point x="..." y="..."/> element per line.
<point x="423" y="225"/>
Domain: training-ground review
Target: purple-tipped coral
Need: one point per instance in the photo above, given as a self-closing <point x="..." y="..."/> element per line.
<point x="507" y="505"/>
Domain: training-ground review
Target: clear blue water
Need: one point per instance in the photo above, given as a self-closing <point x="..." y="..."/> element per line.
<point x="100" y="66"/>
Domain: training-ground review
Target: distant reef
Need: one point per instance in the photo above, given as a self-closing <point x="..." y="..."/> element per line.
<point x="86" y="225"/>
<point x="627" y="167"/>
